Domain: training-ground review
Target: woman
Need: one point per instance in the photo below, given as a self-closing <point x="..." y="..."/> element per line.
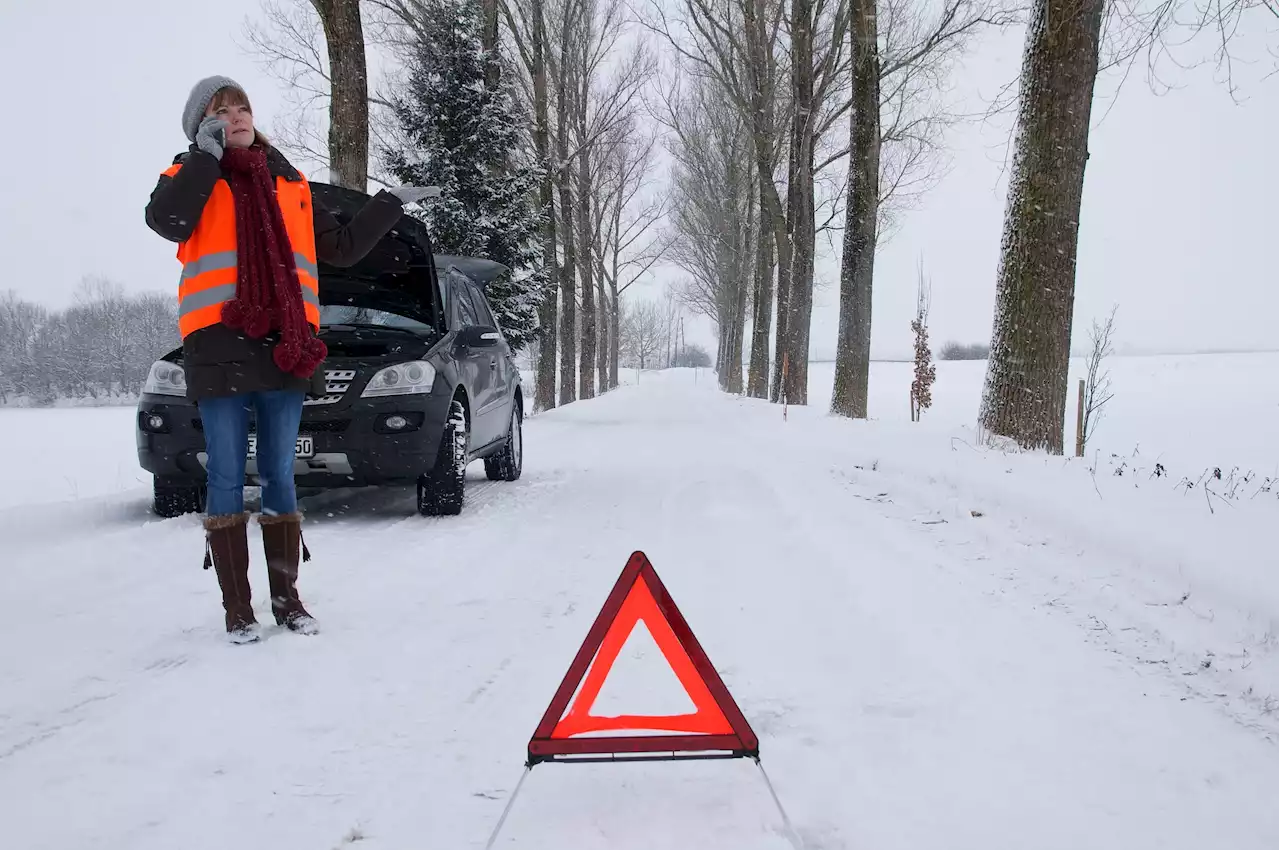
<point x="249" y="236"/>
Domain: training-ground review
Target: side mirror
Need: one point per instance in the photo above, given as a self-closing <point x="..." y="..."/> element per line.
<point x="478" y="336"/>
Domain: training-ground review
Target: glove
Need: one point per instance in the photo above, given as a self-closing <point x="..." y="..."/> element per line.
<point x="414" y="194"/>
<point x="211" y="136"/>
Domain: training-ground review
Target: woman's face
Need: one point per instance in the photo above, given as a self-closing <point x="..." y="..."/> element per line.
<point x="240" y="123"/>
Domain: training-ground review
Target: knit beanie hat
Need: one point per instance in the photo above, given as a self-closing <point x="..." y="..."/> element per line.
<point x="201" y="93"/>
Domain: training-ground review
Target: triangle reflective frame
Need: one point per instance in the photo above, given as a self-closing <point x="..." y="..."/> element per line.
<point x="717" y="727"/>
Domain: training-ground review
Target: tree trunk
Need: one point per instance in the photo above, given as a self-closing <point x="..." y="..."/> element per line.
<point x="349" y="85"/>
<point x="587" y="367"/>
<point x="786" y="268"/>
<point x="569" y="274"/>
<point x="489" y="41"/>
<point x="853" y="345"/>
<point x="614" y="324"/>
<point x="800" y="291"/>
<point x="1025" y="394"/>
<point x="747" y="234"/>
<point x="762" y="306"/>
<point x="738" y="337"/>
<point x="602" y="329"/>
<point x="722" y="358"/>
<point x="762" y="71"/>
<point x="545" y="381"/>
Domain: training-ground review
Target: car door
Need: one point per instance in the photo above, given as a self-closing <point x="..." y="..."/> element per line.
<point x="474" y="363"/>
<point x="506" y="373"/>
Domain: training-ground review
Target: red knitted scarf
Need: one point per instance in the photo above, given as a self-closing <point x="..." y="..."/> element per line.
<point x="268" y="291"/>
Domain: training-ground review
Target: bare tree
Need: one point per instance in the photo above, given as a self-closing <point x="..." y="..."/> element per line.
<point x="626" y="213"/>
<point x="714" y="225"/>
<point x="318" y="50"/>
<point x="1097" y="384"/>
<point x="588" y="33"/>
<point x="671" y="313"/>
<point x="643" y="331"/>
<point x="601" y="102"/>
<point x="1025" y="391"/>
<point x="527" y="32"/>
<point x="101" y="346"/>
<point x="738" y="46"/>
<point x="1024" y="397"/>
<point x="894" y="131"/>
<point x="548" y="311"/>
<point x="815" y="65"/>
<point x="349" y="85"/>
<point x="853" y="343"/>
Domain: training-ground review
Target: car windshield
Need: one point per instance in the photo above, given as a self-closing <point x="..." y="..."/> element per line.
<point x="346" y="314"/>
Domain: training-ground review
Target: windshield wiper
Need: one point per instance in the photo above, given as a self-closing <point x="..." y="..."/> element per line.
<point x="372" y="327"/>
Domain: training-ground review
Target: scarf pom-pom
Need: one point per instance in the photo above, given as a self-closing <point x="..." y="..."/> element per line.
<point x="286" y="355"/>
<point x="314" y="352"/>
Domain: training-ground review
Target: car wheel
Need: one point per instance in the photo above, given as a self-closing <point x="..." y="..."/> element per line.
<point x="507" y="464"/>
<point x="440" y="491"/>
<point x="172" y="500"/>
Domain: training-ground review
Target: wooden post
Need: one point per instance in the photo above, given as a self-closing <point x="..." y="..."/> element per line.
<point x="1080" y="421"/>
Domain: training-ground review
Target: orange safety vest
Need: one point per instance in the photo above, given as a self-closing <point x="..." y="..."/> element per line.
<point x="209" y="256"/>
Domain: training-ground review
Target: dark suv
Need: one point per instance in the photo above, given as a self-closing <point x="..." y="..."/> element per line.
<point x="419" y="382"/>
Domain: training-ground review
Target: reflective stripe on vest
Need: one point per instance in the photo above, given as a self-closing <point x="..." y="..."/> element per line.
<point x="197" y="297"/>
<point x="209" y="256"/>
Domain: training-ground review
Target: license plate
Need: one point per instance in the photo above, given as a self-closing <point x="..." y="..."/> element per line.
<point x="304" y="447"/>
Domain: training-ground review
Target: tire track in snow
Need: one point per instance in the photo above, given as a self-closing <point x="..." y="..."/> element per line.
<point x="1026" y="563"/>
<point x="971" y="644"/>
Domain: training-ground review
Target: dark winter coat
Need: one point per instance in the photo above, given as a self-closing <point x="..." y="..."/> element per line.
<point x="219" y="361"/>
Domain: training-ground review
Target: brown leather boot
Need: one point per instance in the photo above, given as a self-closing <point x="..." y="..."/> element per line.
<point x="282" y="543"/>
<point x="227" y="549"/>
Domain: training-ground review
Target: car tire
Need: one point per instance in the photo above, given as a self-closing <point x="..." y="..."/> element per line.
<point x="173" y="500"/>
<point x="508" y="462"/>
<point x="440" y="491"/>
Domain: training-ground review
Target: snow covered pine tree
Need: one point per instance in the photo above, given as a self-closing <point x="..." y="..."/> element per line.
<point x="472" y="142"/>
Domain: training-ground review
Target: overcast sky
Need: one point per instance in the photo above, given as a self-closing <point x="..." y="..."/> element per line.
<point x="1180" y="225"/>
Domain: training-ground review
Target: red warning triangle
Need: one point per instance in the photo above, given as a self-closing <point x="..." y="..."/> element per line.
<point x="716" y="728"/>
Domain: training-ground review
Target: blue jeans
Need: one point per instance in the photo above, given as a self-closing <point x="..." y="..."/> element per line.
<point x="226" y="440"/>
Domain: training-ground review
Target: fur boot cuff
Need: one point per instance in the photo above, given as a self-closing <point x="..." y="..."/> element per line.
<point x="279" y="519"/>
<point x="213" y="523"/>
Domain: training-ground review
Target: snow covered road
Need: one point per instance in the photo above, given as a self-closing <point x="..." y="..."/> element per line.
<point x="919" y="677"/>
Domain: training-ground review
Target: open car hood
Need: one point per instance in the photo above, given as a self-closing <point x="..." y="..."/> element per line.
<point x="399" y="269"/>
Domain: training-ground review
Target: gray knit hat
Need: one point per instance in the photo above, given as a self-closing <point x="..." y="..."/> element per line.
<point x="201" y="93"/>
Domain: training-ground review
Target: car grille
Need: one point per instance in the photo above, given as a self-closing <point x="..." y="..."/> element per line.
<point x="332" y="426"/>
<point x="337" y="382"/>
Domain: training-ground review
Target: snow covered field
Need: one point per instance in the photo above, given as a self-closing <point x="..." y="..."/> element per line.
<point x="938" y="646"/>
<point x="1184" y="410"/>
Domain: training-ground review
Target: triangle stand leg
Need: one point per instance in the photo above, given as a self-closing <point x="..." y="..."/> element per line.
<point x="792" y="835"/>
<point x="511" y="801"/>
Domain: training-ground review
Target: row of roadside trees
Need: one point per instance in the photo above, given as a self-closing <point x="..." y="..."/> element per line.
<point x="101" y="347"/>
<point x="782" y="120"/>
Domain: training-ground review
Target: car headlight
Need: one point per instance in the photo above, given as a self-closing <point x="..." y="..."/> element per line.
<point x="416" y="376"/>
<point x="165" y="378"/>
